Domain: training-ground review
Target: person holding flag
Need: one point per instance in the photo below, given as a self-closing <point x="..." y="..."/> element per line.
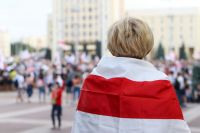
<point x="126" y="94"/>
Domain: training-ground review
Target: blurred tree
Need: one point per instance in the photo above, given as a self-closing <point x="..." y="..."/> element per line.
<point x="160" y="53"/>
<point x="182" y="53"/>
<point x="18" y="47"/>
<point x="47" y="53"/>
<point x="30" y="49"/>
<point x="98" y="48"/>
<point x="195" y="77"/>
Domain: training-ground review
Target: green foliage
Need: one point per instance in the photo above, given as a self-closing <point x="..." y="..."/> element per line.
<point x="98" y="49"/>
<point x="18" y="47"/>
<point x="160" y="53"/>
<point x="47" y="53"/>
<point x="195" y="76"/>
<point x="182" y="53"/>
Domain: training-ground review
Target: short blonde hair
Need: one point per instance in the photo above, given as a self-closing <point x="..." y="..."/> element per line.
<point x="130" y="37"/>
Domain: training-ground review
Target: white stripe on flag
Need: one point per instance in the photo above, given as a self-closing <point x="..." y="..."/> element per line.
<point x="130" y="68"/>
<point x="90" y="123"/>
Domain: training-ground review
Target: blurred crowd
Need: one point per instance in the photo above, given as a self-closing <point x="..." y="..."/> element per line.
<point x="37" y="74"/>
<point x="180" y="74"/>
<point x="41" y="75"/>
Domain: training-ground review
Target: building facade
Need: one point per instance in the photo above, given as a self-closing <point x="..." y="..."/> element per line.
<point x="5" y="44"/>
<point x="82" y="21"/>
<point x="172" y="27"/>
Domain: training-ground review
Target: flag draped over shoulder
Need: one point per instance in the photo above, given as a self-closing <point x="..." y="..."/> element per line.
<point x="126" y="95"/>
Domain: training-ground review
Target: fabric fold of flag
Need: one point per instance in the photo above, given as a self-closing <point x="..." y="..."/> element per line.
<point x="128" y="96"/>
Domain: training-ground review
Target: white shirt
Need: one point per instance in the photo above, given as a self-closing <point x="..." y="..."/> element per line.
<point x="181" y="82"/>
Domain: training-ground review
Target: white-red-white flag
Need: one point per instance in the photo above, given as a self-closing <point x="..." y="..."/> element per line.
<point x="126" y="95"/>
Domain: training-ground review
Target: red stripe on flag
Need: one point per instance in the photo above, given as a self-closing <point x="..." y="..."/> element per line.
<point x="124" y="98"/>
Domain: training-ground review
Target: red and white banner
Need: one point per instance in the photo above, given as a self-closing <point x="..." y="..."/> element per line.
<point x="63" y="46"/>
<point x="125" y="95"/>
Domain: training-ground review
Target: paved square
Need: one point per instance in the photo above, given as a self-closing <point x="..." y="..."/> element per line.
<point x="35" y="117"/>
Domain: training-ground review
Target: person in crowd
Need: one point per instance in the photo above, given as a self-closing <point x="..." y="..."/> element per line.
<point x="49" y="81"/>
<point x="69" y="84"/>
<point x="171" y="77"/>
<point x="76" y="87"/>
<point x="19" y="85"/>
<point x="198" y="92"/>
<point x="181" y="81"/>
<point x="125" y="93"/>
<point x="41" y="88"/>
<point x="188" y="86"/>
<point x="30" y="84"/>
<point x="177" y="89"/>
<point x="56" y="98"/>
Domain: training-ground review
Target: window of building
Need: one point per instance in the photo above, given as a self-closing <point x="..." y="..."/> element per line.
<point x="90" y="9"/>
<point x="90" y="25"/>
<point x="84" y="18"/>
<point x="181" y="36"/>
<point x="191" y="28"/>
<point x="90" y="17"/>
<point x="96" y="17"/>
<point x="90" y="33"/>
<point x="84" y="34"/>
<point x="96" y="33"/>
<point x="72" y="33"/>
<point x="83" y="9"/>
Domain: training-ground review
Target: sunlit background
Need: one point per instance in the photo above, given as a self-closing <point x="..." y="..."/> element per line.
<point x="44" y="24"/>
<point x="69" y="36"/>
